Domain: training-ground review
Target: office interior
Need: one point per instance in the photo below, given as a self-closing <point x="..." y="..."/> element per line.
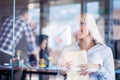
<point x="56" y="18"/>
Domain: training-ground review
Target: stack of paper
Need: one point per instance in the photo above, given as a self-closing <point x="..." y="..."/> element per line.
<point x="77" y="58"/>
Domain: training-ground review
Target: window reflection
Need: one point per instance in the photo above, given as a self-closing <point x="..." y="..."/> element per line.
<point x="96" y="13"/>
<point x="60" y="24"/>
<point x="59" y="20"/>
<point x="116" y="20"/>
<point x="35" y="19"/>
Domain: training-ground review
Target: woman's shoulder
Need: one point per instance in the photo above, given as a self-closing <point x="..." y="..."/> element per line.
<point x="103" y="47"/>
<point x="105" y="51"/>
<point x="101" y="50"/>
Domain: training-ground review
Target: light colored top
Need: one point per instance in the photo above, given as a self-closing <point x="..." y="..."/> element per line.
<point x="100" y="54"/>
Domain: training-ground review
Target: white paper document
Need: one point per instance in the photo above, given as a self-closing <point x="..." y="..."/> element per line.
<point x="76" y="57"/>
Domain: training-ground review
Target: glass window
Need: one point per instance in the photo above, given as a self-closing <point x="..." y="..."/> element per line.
<point x="91" y="9"/>
<point x="96" y="14"/>
<point x="35" y="19"/>
<point x="62" y="22"/>
<point x="116" y="20"/>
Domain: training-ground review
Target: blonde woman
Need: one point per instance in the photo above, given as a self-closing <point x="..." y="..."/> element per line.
<point x="100" y="64"/>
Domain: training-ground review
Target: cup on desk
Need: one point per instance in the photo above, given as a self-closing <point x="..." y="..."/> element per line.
<point x="42" y="63"/>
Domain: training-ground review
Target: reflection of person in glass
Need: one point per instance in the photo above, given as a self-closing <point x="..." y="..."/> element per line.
<point x="42" y="42"/>
<point x="44" y="49"/>
<point x="44" y="53"/>
<point x="7" y="44"/>
<point x="100" y="64"/>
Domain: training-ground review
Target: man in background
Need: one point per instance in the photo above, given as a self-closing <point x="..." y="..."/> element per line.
<point x="10" y="36"/>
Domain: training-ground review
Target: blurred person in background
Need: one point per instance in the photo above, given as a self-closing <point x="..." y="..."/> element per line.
<point x="9" y="41"/>
<point x="7" y="44"/>
<point x="43" y="53"/>
<point x="100" y="64"/>
<point x="42" y="43"/>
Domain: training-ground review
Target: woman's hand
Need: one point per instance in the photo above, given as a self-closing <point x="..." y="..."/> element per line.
<point x="67" y="66"/>
<point x="86" y="69"/>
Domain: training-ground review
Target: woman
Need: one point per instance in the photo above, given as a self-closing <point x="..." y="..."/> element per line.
<point x="100" y="58"/>
<point x="42" y="42"/>
<point x="43" y="54"/>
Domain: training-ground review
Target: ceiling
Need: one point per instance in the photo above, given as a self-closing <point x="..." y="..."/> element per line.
<point x="52" y="2"/>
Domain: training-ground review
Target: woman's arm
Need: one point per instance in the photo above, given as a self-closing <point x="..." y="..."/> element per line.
<point x="106" y="72"/>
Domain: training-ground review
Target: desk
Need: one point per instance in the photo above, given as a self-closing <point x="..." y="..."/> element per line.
<point x="43" y="71"/>
<point x="7" y="72"/>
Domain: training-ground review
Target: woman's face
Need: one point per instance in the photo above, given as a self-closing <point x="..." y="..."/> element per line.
<point x="44" y="44"/>
<point x="83" y="32"/>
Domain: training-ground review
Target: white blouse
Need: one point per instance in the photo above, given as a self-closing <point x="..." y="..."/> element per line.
<point x="99" y="54"/>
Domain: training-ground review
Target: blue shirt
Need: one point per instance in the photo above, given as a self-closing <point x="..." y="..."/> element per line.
<point x="7" y="44"/>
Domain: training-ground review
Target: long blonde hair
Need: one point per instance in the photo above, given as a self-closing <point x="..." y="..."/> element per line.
<point x="92" y="27"/>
